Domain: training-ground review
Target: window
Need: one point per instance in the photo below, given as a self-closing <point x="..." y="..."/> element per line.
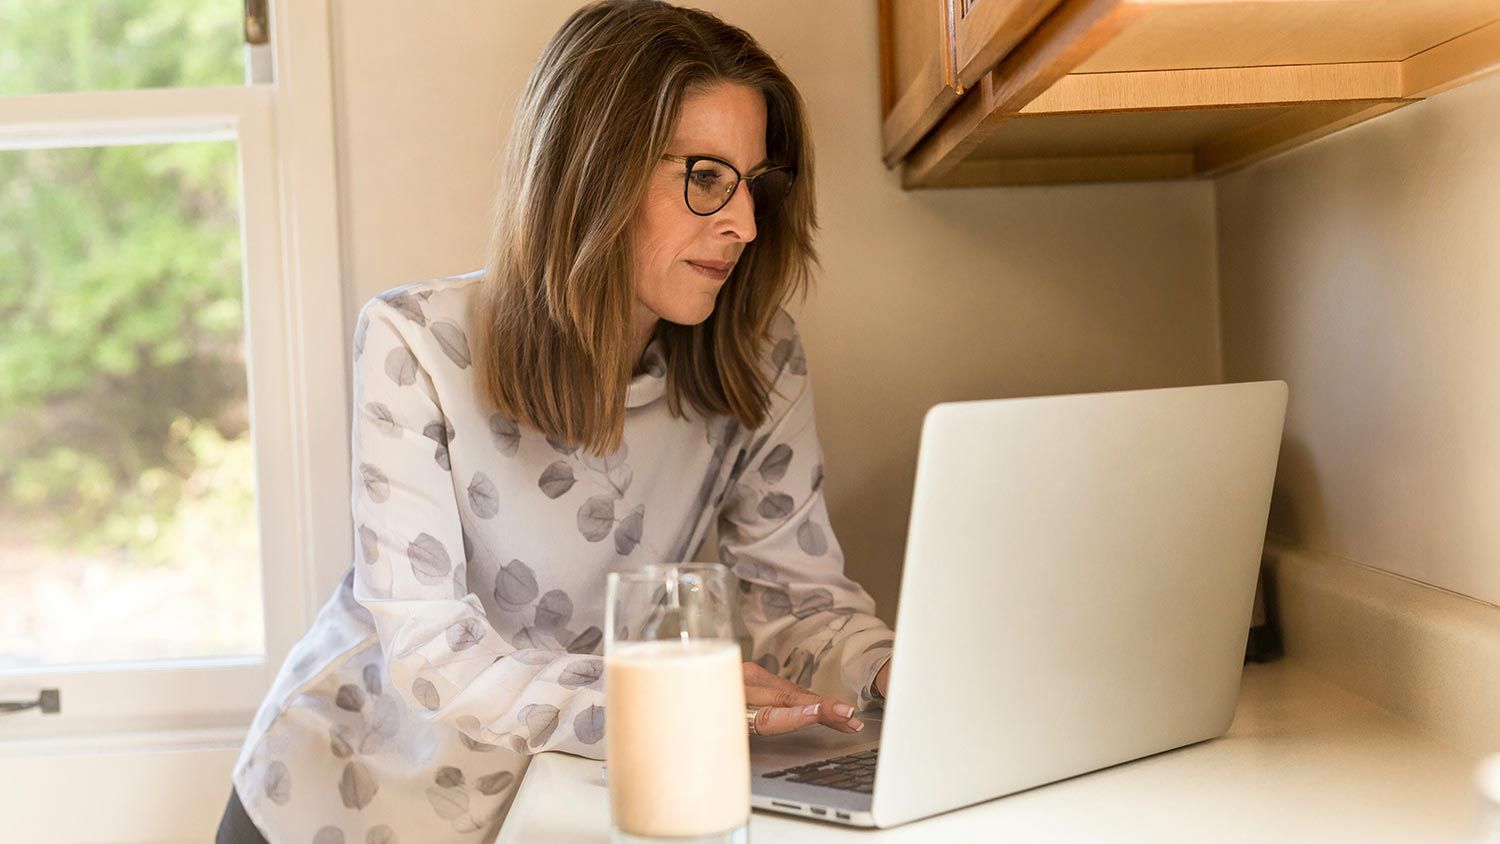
<point x="127" y="512"/>
<point x="128" y="525"/>
<point x="164" y="514"/>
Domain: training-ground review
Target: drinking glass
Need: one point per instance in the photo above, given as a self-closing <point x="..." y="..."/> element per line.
<point x="674" y="700"/>
<point x="1487" y="777"/>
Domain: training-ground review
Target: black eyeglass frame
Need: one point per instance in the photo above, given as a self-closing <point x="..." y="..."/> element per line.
<point x="689" y="160"/>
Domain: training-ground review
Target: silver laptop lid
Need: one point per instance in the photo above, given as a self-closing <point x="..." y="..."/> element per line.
<point x="1077" y="587"/>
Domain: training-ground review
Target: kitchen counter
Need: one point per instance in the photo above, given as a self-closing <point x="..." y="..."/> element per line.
<point x="1304" y="760"/>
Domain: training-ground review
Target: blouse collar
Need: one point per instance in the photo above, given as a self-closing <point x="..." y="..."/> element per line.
<point x="651" y="383"/>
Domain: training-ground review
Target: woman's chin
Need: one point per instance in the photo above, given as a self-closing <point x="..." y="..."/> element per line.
<point x="690" y="315"/>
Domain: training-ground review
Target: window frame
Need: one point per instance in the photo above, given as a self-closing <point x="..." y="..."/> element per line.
<point x="296" y="353"/>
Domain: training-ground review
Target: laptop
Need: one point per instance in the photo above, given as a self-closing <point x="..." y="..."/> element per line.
<point x="1077" y="593"/>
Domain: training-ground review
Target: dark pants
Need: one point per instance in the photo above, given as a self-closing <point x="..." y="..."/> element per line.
<point x="236" y="827"/>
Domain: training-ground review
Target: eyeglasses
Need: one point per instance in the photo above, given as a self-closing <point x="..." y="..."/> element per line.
<point x="709" y="183"/>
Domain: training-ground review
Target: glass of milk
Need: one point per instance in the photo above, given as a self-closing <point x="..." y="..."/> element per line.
<point x="1488" y="779"/>
<point x="675" y="738"/>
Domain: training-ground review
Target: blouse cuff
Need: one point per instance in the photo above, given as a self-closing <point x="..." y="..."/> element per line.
<point x="870" y="697"/>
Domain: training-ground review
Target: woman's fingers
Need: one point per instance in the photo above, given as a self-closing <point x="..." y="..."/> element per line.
<point x="786" y="706"/>
<point x="776" y="720"/>
<point x="785" y="694"/>
<point x="773" y="720"/>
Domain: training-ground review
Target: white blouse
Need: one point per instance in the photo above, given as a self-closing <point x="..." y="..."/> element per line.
<point x="467" y="633"/>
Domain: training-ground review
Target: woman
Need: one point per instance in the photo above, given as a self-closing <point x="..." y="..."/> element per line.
<point x="619" y="376"/>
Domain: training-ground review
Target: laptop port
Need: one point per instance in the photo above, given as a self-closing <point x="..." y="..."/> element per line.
<point x="786" y="805"/>
<point x="817" y="811"/>
<point x="843" y="816"/>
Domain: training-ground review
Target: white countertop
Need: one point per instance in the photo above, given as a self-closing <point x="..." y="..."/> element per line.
<point x="1304" y="761"/>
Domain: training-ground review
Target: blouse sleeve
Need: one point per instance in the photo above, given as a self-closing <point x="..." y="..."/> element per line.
<point x="807" y="621"/>
<point x="442" y="654"/>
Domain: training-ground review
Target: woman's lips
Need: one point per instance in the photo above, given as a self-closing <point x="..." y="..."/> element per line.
<point x="716" y="275"/>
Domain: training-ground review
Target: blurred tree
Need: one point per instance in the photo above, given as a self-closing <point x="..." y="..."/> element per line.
<point x="120" y="281"/>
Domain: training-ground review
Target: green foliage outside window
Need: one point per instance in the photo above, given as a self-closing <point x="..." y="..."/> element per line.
<point x="122" y="371"/>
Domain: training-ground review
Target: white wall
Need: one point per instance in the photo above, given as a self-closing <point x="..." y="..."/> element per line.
<point x="926" y="296"/>
<point x="1365" y="270"/>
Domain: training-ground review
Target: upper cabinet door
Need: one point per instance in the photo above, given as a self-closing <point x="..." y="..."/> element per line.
<point x="985" y="30"/>
<point x="917" y="83"/>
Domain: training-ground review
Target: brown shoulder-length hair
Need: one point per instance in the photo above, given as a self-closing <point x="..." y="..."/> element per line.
<point x="554" y="314"/>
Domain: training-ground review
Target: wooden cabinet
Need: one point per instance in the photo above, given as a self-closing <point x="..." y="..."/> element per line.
<point x="1102" y="90"/>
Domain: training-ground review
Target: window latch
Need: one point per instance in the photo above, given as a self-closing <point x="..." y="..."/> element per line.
<point x="50" y="702"/>
<point x="256" y="29"/>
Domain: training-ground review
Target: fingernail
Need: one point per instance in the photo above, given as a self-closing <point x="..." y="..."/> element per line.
<point x="856" y="724"/>
<point x="811" y="710"/>
<point x="843" y="710"/>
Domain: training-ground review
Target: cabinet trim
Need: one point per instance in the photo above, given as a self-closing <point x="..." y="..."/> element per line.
<point x="1161" y="90"/>
<point x="1279" y="134"/>
<point x="1095" y="168"/>
<point x="1452" y="63"/>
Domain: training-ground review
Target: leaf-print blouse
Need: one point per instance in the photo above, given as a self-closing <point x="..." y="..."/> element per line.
<point x="467" y="633"/>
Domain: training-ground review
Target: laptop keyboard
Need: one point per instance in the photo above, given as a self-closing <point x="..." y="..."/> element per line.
<point x="855" y="772"/>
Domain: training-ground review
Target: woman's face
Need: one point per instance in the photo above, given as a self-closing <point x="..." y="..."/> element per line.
<point x="727" y="121"/>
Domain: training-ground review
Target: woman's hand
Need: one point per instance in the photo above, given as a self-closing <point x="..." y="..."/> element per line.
<point x="786" y="707"/>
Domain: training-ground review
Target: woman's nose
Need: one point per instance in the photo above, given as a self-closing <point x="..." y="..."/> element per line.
<point x="738" y="215"/>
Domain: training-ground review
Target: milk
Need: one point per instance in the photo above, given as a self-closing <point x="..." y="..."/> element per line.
<point x="676" y="742"/>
